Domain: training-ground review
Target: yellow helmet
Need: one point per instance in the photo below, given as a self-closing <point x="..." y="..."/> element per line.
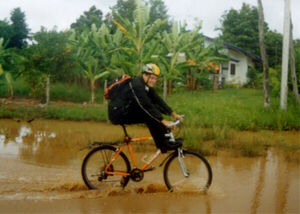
<point x="151" y="69"/>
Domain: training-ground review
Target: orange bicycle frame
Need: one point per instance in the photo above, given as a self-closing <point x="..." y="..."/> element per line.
<point x="128" y="142"/>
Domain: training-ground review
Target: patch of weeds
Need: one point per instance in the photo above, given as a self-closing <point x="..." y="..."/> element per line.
<point x="252" y="148"/>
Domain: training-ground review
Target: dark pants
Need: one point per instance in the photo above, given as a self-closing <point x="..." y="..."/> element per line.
<point x="135" y="115"/>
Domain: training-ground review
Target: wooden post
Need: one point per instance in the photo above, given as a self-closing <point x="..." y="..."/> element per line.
<point x="105" y="86"/>
<point x="165" y="89"/>
<point x="292" y="64"/>
<point x="263" y="54"/>
<point x="48" y="90"/>
<point x="285" y="55"/>
<point x="92" y="91"/>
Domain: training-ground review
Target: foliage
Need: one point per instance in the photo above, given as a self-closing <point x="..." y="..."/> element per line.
<point x="20" y="29"/>
<point x="6" y="31"/>
<point x="4" y="57"/>
<point x="48" y="55"/>
<point x="85" y="21"/>
<point x="241" y="28"/>
<point x="95" y="52"/>
<point x="275" y="76"/>
<point x="255" y="78"/>
<point x="124" y="9"/>
<point x="204" y="62"/>
<point x="158" y="10"/>
<point x="139" y="33"/>
<point x="273" y="41"/>
<point x="297" y="59"/>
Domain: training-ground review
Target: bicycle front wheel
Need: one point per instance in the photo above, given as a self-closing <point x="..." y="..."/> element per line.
<point x="92" y="169"/>
<point x="193" y="175"/>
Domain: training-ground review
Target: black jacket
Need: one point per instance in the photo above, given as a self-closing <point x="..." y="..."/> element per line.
<point x="146" y="98"/>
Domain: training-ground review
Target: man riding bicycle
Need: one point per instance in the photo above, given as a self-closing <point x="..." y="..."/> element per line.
<point x="141" y="104"/>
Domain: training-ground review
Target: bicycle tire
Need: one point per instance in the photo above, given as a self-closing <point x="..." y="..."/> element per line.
<point x="199" y="170"/>
<point x="92" y="169"/>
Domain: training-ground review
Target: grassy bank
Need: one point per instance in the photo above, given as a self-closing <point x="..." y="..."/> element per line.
<point x="210" y="141"/>
<point x="229" y="108"/>
<point x="58" y="91"/>
<point x="239" y="109"/>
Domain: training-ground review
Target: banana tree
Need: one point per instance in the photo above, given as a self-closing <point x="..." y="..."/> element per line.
<point x="97" y="53"/>
<point x="4" y="54"/>
<point x="139" y="33"/>
<point x="203" y="59"/>
<point x="175" y="44"/>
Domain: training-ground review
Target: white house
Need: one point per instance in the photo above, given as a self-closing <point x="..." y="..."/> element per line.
<point x="240" y="61"/>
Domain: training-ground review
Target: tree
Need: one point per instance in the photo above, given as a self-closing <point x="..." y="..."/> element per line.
<point x="97" y="53"/>
<point x="158" y="10"/>
<point x="204" y="61"/>
<point x="273" y="43"/>
<point x="124" y="9"/>
<point x="6" y="30"/>
<point x="240" y="28"/>
<point x="293" y="66"/>
<point x="4" y="54"/>
<point x="20" y="29"/>
<point x="177" y="42"/>
<point x="127" y="8"/>
<point x="85" y="21"/>
<point x="264" y="55"/>
<point x="47" y="55"/>
<point x="139" y="33"/>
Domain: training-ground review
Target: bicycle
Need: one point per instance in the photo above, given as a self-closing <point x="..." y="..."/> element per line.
<point x="106" y="165"/>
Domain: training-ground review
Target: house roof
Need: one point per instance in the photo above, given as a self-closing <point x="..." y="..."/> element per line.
<point x="239" y="49"/>
<point x="249" y="54"/>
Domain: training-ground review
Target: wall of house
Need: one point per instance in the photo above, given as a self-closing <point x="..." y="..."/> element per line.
<point x="241" y="68"/>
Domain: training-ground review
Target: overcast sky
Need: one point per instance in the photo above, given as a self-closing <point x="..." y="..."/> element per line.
<point x="62" y="13"/>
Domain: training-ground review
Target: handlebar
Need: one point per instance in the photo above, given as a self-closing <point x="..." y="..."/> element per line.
<point x="175" y="123"/>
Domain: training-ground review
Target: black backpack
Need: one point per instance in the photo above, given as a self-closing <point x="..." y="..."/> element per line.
<point x="118" y="94"/>
<point x="114" y="88"/>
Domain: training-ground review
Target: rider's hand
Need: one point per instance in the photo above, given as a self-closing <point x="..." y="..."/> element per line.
<point x="177" y="116"/>
<point x="166" y="122"/>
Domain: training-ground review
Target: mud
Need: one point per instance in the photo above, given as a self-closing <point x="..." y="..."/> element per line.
<point x="40" y="173"/>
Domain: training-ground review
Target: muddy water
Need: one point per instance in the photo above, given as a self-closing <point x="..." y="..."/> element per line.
<point x="40" y="173"/>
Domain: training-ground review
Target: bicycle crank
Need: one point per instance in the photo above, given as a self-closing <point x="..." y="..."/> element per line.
<point x="136" y="175"/>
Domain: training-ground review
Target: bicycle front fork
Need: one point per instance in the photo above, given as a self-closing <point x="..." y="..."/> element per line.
<point x="181" y="163"/>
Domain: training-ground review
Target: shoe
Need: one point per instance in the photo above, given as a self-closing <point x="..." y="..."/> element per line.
<point x="174" y="145"/>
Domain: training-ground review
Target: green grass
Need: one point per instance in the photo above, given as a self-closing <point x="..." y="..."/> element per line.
<point x="66" y="112"/>
<point x="225" y="109"/>
<point x="239" y="109"/>
<point x="58" y="91"/>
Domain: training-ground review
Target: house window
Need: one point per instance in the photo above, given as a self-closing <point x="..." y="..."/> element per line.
<point x="232" y="69"/>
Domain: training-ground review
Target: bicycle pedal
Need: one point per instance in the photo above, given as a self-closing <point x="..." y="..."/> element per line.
<point x="151" y="168"/>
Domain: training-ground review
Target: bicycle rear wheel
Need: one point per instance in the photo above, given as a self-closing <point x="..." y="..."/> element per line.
<point x="92" y="169"/>
<point x="198" y="177"/>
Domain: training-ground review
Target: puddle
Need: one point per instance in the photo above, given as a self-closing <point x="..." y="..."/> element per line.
<point x="40" y="170"/>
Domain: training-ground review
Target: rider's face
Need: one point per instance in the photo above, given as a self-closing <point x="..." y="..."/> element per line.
<point x="151" y="80"/>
